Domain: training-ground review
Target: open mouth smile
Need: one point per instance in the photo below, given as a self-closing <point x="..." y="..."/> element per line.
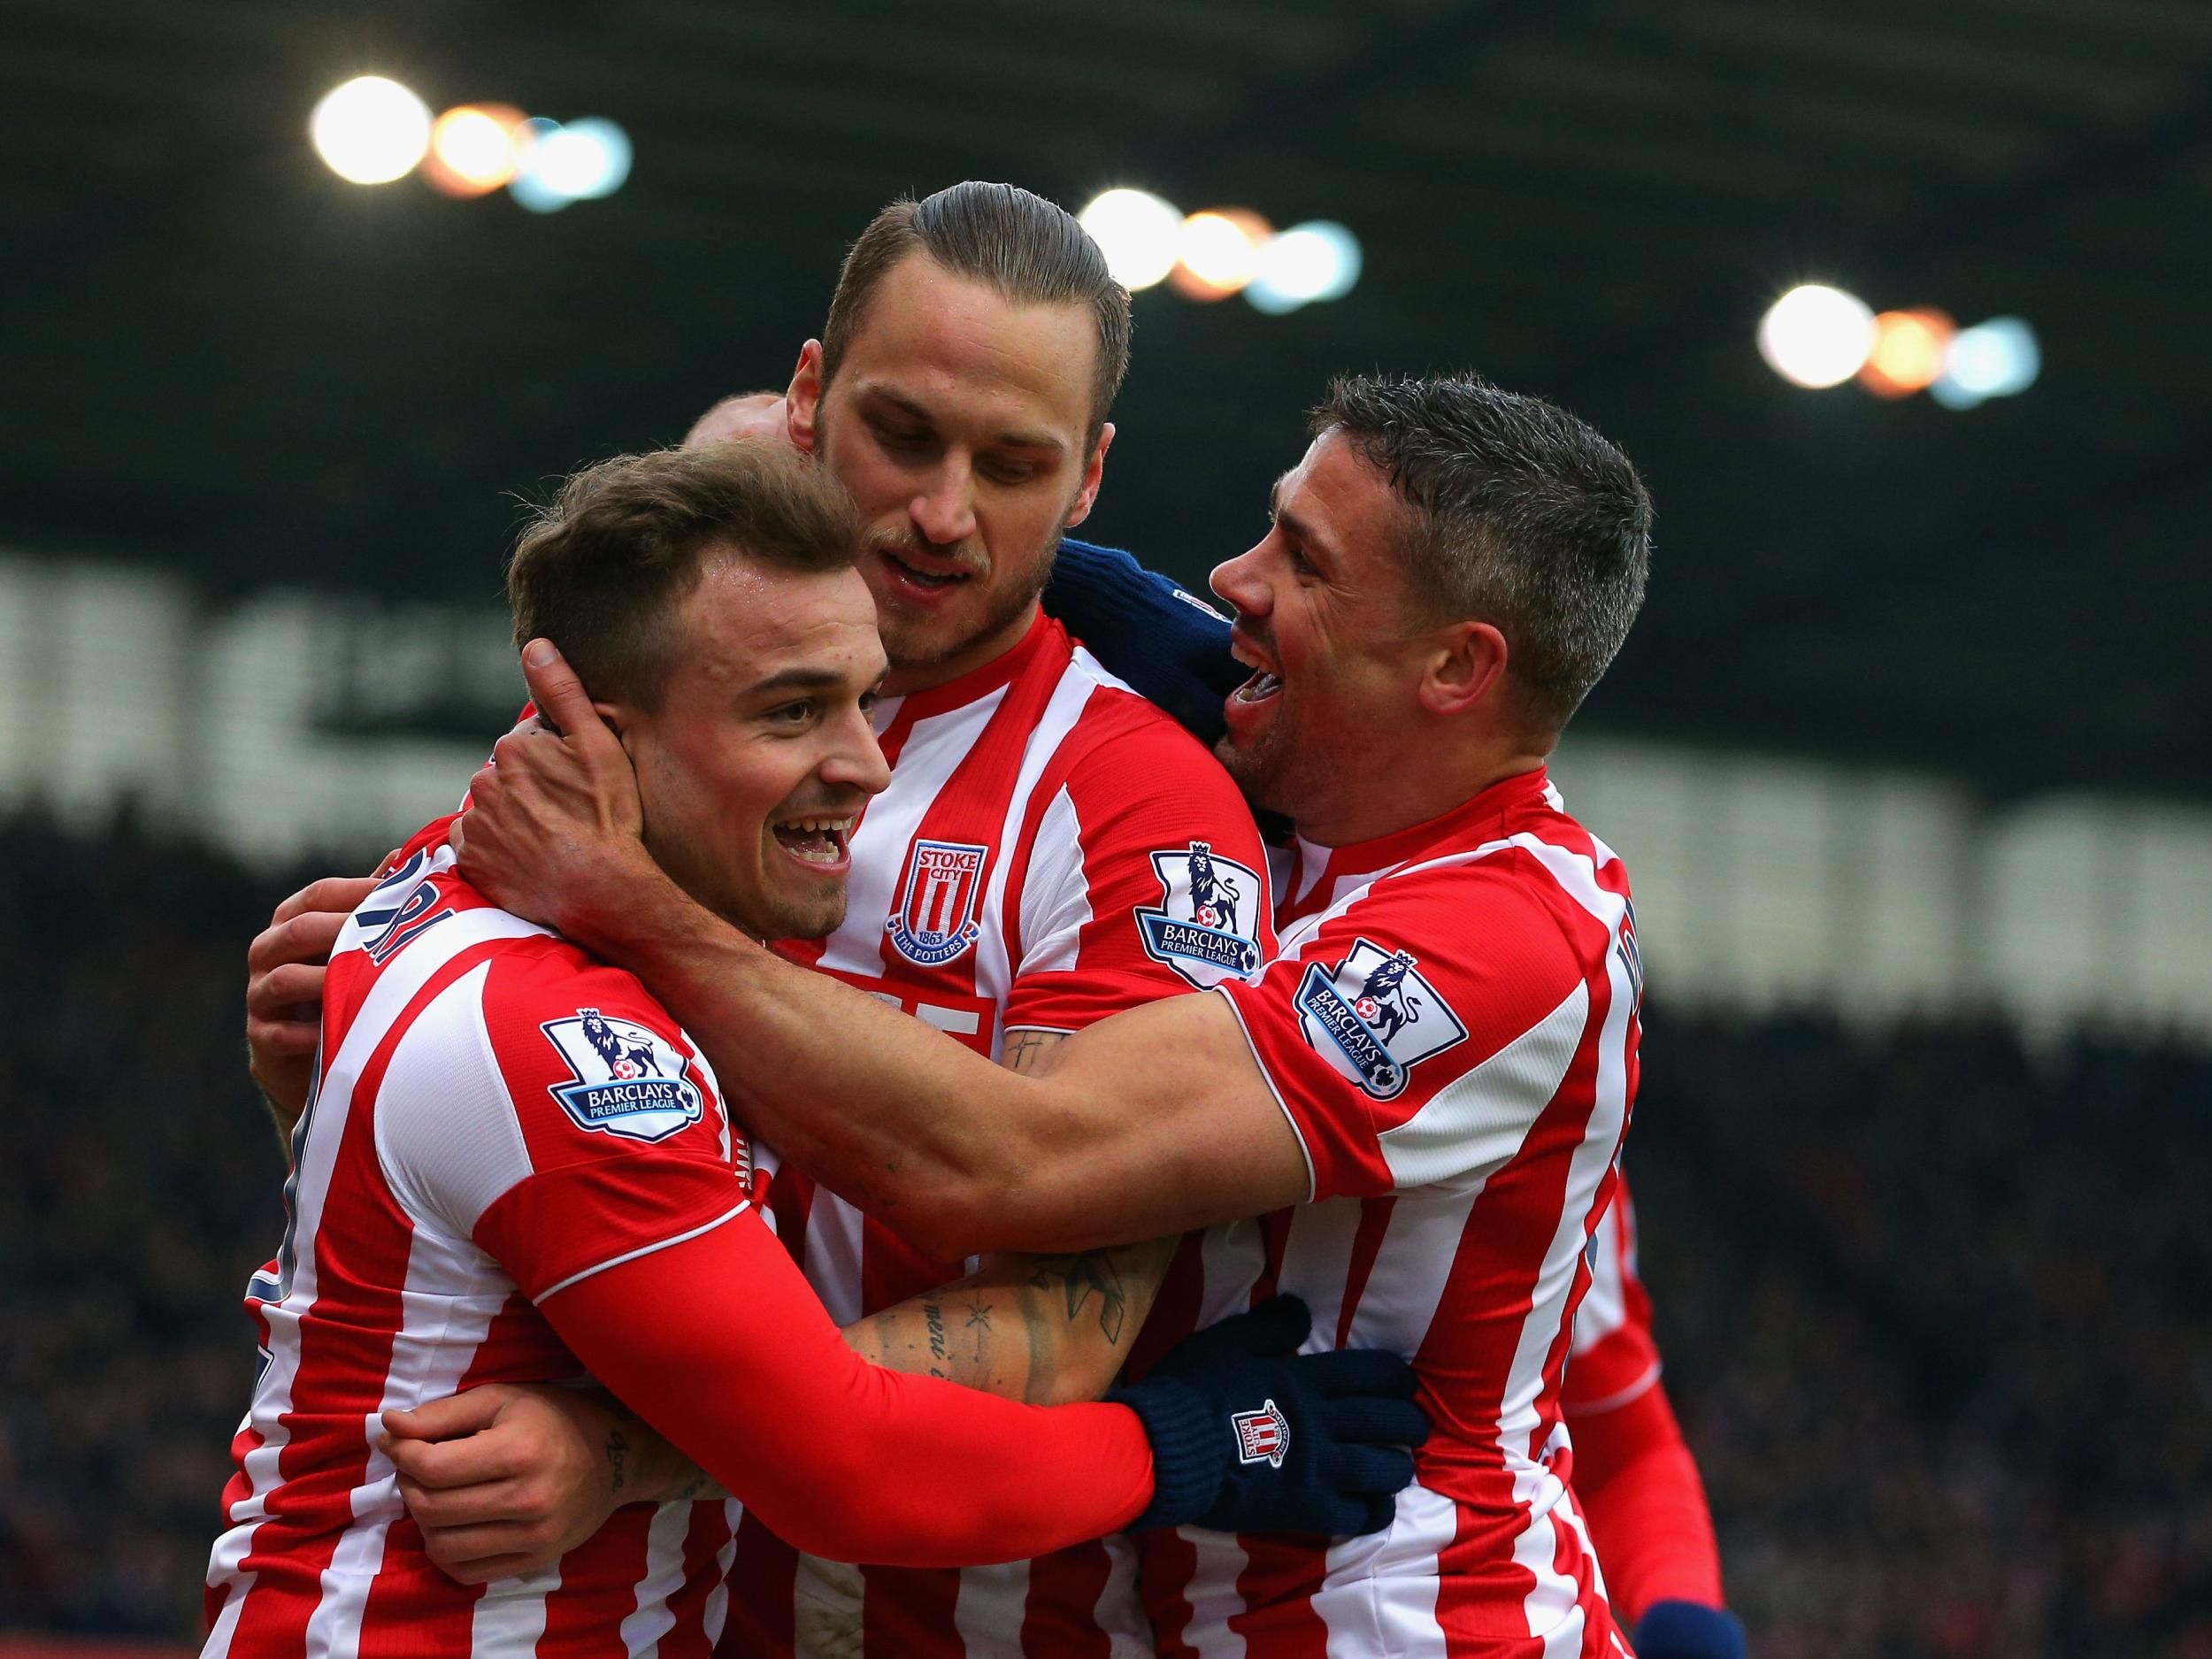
<point x="814" y="840"/>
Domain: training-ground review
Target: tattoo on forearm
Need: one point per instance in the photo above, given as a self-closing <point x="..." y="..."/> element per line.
<point x="934" y="1316"/>
<point x="1022" y="1048"/>
<point x="1080" y="1277"/>
<point x="618" y="1450"/>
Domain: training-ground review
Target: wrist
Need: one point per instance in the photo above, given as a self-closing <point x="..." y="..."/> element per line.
<point x="618" y="903"/>
<point x="1186" y="1468"/>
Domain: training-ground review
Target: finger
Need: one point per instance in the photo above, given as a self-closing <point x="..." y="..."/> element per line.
<point x="465" y="1413"/>
<point x="1358" y="1370"/>
<point x="283" y="1039"/>
<point x="1369" y="1420"/>
<point x="341" y="893"/>
<point x="463" y="1545"/>
<point x="563" y="703"/>
<point x="306" y="937"/>
<point x="288" y="993"/>
<point x="1377" y="1513"/>
<point x="1367" y="1470"/>
<point x="489" y="1503"/>
<point x="445" y="1465"/>
<point x="454" y="835"/>
<point x="494" y="1568"/>
<point x="386" y="864"/>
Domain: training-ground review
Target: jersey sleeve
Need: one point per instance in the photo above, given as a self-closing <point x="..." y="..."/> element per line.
<point x="1415" y="1038"/>
<point x="1615" y="1357"/>
<point x="1146" y="877"/>
<point x="557" y="1118"/>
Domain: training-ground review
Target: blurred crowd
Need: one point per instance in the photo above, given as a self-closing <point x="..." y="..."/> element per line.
<point x="1937" y="1305"/>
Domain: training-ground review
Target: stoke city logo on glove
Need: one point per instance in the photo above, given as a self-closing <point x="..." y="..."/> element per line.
<point x="1263" y="1436"/>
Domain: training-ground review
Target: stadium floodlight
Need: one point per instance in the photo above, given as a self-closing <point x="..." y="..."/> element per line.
<point x="1218" y="252"/>
<point x="1136" y="231"/>
<point x="1318" y="260"/>
<point x="1997" y="358"/>
<point x="472" y="148"/>
<point x="1816" y="337"/>
<point x="573" y="163"/>
<point x="1908" y="351"/>
<point x="371" y="130"/>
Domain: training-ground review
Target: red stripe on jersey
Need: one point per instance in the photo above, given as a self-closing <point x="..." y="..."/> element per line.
<point x="1374" y="1222"/>
<point x="1060" y="1588"/>
<point x="761" y="1624"/>
<point x="907" y="1613"/>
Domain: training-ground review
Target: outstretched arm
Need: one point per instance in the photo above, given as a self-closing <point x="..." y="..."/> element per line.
<point x="1152" y="1122"/>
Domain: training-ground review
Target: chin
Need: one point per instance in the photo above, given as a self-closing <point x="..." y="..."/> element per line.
<point x="808" y="917"/>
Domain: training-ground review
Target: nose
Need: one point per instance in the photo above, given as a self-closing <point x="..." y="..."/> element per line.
<point x="1239" y="581"/>
<point x="945" y="513"/>
<point x="855" y="759"/>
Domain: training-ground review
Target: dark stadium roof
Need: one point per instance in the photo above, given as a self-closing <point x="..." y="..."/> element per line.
<point x="218" y="356"/>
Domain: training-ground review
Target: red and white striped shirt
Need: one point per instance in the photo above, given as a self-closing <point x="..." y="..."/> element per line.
<point x="1451" y="1028"/>
<point x="1616" y="1358"/>
<point x="1052" y="849"/>
<point x="496" y="1117"/>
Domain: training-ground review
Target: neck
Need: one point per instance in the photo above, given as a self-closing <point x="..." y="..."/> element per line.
<point x="1421" y="793"/>
<point x="906" y="679"/>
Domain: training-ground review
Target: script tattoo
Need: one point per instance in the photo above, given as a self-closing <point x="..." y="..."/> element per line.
<point x="935" y="1317"/>
<point x="617" y="1449"/>
<point x="1080" y="1277"/>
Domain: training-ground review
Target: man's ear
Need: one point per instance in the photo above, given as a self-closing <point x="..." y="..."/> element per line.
<point x="803" y="400"/>
<point x="1093" y="470"/>
<point x="1464" y="664"/>
<point x="616" y="716"/>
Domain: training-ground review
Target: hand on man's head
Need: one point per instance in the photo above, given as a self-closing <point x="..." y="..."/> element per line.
<point x="554" y="824"/>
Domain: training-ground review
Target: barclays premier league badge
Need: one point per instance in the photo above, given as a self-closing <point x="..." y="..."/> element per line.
<point x="1375" y="1016"/>
<point x="1206" y="926"/>
<point x="627" y="1080"/>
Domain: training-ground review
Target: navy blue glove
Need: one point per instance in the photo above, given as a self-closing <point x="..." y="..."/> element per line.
<point x="1167" y="643"/>
<point x="1688" y="1629"/>
<point x="1250" y="1436"/>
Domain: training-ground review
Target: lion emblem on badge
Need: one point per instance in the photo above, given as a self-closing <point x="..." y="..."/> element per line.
<point x="1213" y="896"/>
<point x="626" y="1057"/>
<point x="1383" y="1002"/>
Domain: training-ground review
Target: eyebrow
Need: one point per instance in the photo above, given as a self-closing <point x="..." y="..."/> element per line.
<point x="907" y="406"/>
<point x="794" y="679"/>
<point x="1298" y="526"/>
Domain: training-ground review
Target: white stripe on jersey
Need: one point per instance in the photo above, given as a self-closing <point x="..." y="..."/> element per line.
<point x="1479" y="1121"/>
<point x="642" y="1629"/>
<point x="1055" y="899"/>
<point x="512" y="1621"/>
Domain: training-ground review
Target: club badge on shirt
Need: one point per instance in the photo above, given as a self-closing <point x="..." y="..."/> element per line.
<point x="1206" y="926"/>
<point x="1375" y="1016"/>
<point x="935" y="919"/>
<point x="627" y="1080"/>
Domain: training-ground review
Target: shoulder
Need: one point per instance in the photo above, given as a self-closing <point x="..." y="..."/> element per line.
<point x="1124" y="738"/>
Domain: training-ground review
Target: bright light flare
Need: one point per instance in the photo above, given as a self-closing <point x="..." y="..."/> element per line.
<point x="370" y="130"/>
<point x="1909" y="350"/>
<point x="1998" y="358"/>
<point x="1816" y="337"/>
<point x="1318" y="260"/>
<point x="1136" y="231"/>
<point x="573" y="163"/>
<point x="474" y="148"/>
<point x="1218" y="252"/>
